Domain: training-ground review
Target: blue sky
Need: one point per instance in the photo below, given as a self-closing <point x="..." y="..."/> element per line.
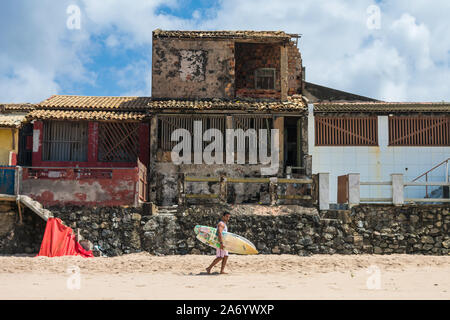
<point x="406" y="57"/>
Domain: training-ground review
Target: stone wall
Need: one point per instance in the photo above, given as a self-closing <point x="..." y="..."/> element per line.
<point x="277" y="230"/>
<point x="16" y="237"/>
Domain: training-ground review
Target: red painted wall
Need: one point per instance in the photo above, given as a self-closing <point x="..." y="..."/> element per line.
<point x="86" y="187"/>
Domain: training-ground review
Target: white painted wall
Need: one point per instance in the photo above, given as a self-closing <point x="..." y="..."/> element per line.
<point x="377" y="163"/>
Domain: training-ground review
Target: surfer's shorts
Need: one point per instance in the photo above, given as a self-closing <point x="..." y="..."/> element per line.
<point x="220" y="253"/>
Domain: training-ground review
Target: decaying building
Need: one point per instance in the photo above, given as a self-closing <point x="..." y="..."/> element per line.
<point x="228" y="80"/>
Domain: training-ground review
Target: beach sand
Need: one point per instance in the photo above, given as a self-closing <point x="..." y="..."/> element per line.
<point x="144" y="276"/>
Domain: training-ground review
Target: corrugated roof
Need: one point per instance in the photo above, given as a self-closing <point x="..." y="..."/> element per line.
<point x="382" y="107"/>
<point x="85" y="115"/>
<point x="12" y="120"/>
<point x="241" y="34"/>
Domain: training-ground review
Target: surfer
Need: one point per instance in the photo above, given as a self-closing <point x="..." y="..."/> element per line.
<point x="221" y="254"/>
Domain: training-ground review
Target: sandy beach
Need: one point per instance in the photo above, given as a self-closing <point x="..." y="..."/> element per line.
<point x="144" y="276"/>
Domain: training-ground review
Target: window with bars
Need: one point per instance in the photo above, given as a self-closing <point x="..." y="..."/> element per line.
<point x="118" y="142"/>
<point x="168" y="124"/>
<point x="265" y="78"/>
<point x="65" y="141"/>
<point x="352" y="131"/>
<point x="419" y="131"/>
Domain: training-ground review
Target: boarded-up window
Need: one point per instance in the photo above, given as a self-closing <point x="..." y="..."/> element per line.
<point x="168" y="124"/>
<point x="355" y="131"/>
<point x="419" y="131"/>
<point x="118" y="142"/>
<point x="65" y="141"/>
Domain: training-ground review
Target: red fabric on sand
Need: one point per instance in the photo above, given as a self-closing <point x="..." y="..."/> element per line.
<point x="59" y="240"/>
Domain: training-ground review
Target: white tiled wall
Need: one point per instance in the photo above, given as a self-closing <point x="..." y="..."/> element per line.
<point x="377" y="163"/>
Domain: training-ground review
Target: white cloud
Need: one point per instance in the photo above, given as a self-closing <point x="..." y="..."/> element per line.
<point x="27" y="84"/>
<point x="408" y="58"/>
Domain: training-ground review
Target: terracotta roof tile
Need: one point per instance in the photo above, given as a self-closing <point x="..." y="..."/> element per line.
<point x="16" y="107"/>
<point x="293" y="104"/>
<point x="382" y="107"/>
<point x="94" y="103"/>
<point x="143" y="104"/>
<point x="84" y="115"/>
<point x="12" y="120"/>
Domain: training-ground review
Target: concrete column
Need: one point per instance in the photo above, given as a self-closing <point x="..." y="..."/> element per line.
<point x="397" y="189"/>
<point x="153" y="149"/>
<point x="278" y="123"/>
<point x="383" y="131"/>
<point x="353" y="189"/>
<point x="324" y="191"/>
<point x="273" y="188"/>
<point x="311" y="129"/>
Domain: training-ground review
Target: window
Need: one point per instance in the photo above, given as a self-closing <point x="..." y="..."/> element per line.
<point x="168" y="124"/>
<point x="357" y="131"/>
<point x="265" y="78"/>
<point x="118" y="142"/>
<point x="65" y="141"/>
<point x="419" y="131"/>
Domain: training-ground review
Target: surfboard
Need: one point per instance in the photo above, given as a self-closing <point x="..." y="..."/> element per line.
<point x="232" y="242"/>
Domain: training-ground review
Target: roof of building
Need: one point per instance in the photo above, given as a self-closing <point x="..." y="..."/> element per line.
<point x="241" y="34"/>
<point x="12" y="115"/>
<point x="382" y="107"/>
<point x="317" y="93"/>
<point x="12" y="120"/>
<point x="85" y="115"/>
<point x="135" y="108"/>
<point x="15" y="107"/>
<point x="94" y="103"/>
<point x="292" y="104"/>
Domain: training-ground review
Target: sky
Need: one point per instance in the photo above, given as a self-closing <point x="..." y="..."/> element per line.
<point x="388" y="50"/>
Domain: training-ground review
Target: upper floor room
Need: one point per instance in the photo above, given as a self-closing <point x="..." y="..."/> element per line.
<point x="226" y="65"/>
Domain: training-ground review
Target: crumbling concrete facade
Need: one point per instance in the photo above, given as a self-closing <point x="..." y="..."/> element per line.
<point x="190" y="66"/>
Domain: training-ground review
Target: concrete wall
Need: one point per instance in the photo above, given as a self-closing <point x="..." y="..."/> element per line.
<point x="111" y="187"/>
<point x="377" y="163"/>
<point x="188" y="69"/>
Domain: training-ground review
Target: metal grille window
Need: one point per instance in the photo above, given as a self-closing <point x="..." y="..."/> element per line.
<point x="65" y="141"/>
<point x="419" y="131"/>
<point x="357" y="131"/>
<point x="260" y="122"/>
<point x="168" y="124"/>
<point x="118" y="142"/>
<point x="265" y="78"/>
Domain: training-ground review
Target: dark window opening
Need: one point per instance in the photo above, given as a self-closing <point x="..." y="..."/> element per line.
<point x="65" y="141"/>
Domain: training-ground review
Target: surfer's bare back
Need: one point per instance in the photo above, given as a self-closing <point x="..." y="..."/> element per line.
<point x="221" y="254"/>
